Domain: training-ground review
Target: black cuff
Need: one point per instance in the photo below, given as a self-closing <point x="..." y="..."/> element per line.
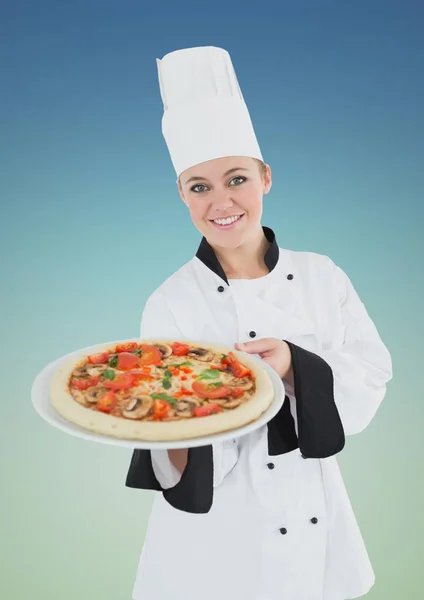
<point x="320" y="429"/>
<point x="193" y="493"/>
<point x="282" y="436"/>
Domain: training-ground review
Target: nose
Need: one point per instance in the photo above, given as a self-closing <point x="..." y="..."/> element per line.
<point x="222" y="201"/>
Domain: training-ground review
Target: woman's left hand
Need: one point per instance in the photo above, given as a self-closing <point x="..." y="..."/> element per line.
<point x="276" y="353"/>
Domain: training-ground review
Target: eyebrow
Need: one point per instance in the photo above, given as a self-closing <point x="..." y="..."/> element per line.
<point x="225" y="174"/>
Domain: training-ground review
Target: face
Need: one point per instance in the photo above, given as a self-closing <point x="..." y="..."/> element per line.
<point x="224" y="197"/>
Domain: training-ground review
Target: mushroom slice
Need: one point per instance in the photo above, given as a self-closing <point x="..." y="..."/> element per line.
<point x="80" y="373"/>
<point x="165" y="350"/>
<point x="95" y="370"/>
<point x="201" y="354"/>
<point x="229" y="402"/>
<point x="138" y="407"/>
<point x="93" y="394"/>
<point x="245" y="383"/>
<point x="185" y="407"/>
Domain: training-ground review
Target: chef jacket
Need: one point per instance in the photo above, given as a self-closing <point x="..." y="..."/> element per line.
<point x="265" y="516"/>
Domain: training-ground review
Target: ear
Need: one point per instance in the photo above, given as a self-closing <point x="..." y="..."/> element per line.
<point x="267" y="180"/>
<point x="180" y="191"/>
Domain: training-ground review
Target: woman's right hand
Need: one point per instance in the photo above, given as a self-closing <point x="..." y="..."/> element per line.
<point x="179" y="458"/>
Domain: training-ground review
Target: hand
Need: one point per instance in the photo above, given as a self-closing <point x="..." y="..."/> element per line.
<point x="276" y="353"/>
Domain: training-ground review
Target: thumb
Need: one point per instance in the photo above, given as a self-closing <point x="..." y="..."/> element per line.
<point x="257" y="346"/>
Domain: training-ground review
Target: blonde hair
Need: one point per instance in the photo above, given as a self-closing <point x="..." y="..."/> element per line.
<point x="262" y="166"/>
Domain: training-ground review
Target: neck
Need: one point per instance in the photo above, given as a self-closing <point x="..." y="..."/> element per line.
<point x="247" y="260"/>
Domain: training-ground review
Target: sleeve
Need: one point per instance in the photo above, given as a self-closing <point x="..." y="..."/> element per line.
<point x="339" y="391"/>
<point x="225" y="458"/>
<point x="207" y="466"/>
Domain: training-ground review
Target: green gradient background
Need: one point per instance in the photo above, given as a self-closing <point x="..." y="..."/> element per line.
<point x="88" y="196"/>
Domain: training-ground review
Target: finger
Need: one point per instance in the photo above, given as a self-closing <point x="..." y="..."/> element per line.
<point x="258" y="346"/>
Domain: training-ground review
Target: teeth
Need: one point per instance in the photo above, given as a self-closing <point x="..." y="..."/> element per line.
<point x="227" y="221"/>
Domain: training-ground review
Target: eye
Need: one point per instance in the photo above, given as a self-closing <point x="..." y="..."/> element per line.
<point x="199" y="185"/>
<point x="240" y="179"/>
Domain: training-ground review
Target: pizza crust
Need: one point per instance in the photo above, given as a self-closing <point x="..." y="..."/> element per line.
<point x="158" y="431"/>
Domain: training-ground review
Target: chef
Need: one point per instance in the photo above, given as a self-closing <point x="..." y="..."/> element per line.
<point x="265" y="516"/>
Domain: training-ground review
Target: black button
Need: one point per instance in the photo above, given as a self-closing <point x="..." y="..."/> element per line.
<point x="270" y="465"/>
<point x="252" y="333"/>
<point x="290" y="276"/>
<point x="283" y="530"/>
<point x="221" y="288"/>
<point x="314" y="520"/>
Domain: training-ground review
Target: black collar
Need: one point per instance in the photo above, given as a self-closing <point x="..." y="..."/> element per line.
<point x="208" y="257"/>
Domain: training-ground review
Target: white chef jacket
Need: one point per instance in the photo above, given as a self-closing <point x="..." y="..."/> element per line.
<point x="265" y="516"/>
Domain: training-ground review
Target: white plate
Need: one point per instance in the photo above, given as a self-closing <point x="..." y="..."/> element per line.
<point x="40" y="395"/>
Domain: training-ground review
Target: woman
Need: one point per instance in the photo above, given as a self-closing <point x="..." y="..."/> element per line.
<point x="265" y="516"/>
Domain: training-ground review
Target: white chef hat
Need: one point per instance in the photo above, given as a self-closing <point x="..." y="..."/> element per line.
<point x="205" y="116"/>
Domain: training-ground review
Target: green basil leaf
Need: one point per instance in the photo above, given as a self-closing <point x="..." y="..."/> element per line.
<point x="138" y="352"/>
<point x="187" y="363"/>
<point x="209" y="374"/>
<point x="168" y="373"/>
<point x="109" y="374"/>
<point x="164" y="397"/>
<point x="216" y="384"/>
<point x="113" y="360"/>
<point x="166" y="383"/>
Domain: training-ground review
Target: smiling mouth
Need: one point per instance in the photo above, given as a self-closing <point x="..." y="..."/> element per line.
<point x="227" y="222"/>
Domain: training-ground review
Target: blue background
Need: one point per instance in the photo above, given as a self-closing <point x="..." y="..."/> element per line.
<point x="91" y="223"/>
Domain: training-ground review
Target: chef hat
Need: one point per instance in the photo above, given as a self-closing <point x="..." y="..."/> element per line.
<point x="205" y="116"/>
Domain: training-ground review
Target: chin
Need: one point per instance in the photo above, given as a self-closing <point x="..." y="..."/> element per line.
<point x="226" y="239"/>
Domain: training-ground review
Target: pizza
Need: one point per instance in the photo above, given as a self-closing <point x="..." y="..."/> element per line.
<point x="160" y="390"/>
